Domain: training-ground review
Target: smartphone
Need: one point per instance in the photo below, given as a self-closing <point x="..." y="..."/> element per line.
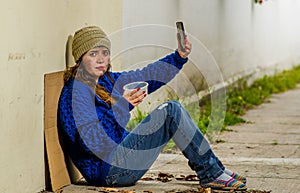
<point x="181" y="32"/>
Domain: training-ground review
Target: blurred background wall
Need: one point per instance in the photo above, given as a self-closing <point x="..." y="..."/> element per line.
<point x="231" y="39"/>
<point x="33" y="38"/>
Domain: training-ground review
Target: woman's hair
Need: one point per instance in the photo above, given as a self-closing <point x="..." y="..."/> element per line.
<point x="79" y="73"/>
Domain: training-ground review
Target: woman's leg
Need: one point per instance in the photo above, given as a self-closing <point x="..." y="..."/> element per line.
<point x="135" y="155"/>
<point x="137" y="152"/>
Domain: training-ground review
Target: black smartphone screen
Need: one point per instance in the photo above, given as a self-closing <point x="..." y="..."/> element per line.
<point x="180" y="30"/>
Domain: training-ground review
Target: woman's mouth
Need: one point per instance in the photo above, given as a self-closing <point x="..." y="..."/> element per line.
<point x="100" y="68"/>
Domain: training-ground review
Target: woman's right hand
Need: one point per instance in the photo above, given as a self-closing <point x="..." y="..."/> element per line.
<point x="187" y="47"/>
<point x="134" y="97"/>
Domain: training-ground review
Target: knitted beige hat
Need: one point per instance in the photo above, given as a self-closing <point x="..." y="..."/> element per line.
<point x="88" y="38"/>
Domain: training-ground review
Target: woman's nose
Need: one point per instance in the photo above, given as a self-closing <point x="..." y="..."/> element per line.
<point x="100" y="59"/>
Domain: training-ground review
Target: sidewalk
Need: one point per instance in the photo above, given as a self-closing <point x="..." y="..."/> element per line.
<point x="266" y="151"/>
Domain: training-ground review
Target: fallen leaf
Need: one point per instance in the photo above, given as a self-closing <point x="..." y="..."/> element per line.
<point x="111" y="189"/>
<point x="191" y="178"/>
<point x="188" y="178"/>
<point x="147" y="179"/>
<point x="205" y="190"/>
<point x="165" y="177"/>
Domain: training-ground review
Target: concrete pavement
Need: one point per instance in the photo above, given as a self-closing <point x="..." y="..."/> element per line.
<point x="266" y="151"/>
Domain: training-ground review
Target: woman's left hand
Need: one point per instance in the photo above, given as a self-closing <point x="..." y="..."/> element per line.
<point x="187" y="47"/>
<point x="134" y="97"/>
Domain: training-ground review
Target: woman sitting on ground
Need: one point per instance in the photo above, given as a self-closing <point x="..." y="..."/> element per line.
<point x="93" y="112"/>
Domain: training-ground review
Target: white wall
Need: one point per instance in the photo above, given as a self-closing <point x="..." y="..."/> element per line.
<point x="33" y="36"/>
<point x="246" y="37"/>
<point x="145" y="23"/>
<point x="243" y="37"/>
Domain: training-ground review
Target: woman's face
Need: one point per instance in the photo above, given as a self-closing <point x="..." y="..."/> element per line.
<point x="96" y="61"/>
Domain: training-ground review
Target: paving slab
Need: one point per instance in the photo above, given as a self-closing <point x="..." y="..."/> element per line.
<point x="253" y="150"/>
<point x="281" y="128"/>
<point x="259" y="138"/>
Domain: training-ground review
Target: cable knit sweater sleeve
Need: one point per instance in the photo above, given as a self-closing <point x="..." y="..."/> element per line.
<point x="156" y="74"/>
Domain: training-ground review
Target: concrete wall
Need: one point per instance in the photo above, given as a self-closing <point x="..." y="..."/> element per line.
<point x="243" y="37"/>
<point x="239" y="36"/>
<point x="146" y="31"/>
<point x="33" y="36"/>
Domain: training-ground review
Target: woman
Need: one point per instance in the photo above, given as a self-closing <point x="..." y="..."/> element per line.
<point x="94" y="110"/>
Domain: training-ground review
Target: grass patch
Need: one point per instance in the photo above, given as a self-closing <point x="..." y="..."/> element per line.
<point x="137" y="118"/>
<point x="220" y="141"/>
<point x="275" y="143"/>
<point x="170" y="147"/>
<point x="241" y="97"/>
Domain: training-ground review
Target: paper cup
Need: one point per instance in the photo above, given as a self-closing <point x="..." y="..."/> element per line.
<point x="134" y="85"/>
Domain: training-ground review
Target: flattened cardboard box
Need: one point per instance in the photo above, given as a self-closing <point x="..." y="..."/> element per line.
<point x="61" y="170"/>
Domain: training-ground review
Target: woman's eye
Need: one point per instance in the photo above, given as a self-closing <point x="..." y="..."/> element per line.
<point x="105" y="52"/>
<point x="93" y="54"/>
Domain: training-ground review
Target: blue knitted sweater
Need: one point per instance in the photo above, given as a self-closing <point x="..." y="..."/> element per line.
<point x="91" y="129"/>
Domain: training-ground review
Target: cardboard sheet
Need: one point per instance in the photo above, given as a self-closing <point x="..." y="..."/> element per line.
<point x="62" y="172"/>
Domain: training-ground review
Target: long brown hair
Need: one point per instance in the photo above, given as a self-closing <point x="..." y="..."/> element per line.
<point x="79" y="73"/>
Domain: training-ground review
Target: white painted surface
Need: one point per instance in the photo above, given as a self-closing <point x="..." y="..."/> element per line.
<point x="231" y="39"/>
<point x="33" y="37"/>
<point x="242" y="37"/>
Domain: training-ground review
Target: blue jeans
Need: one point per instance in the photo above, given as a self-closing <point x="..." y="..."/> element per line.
<point x="137" y="152"/>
